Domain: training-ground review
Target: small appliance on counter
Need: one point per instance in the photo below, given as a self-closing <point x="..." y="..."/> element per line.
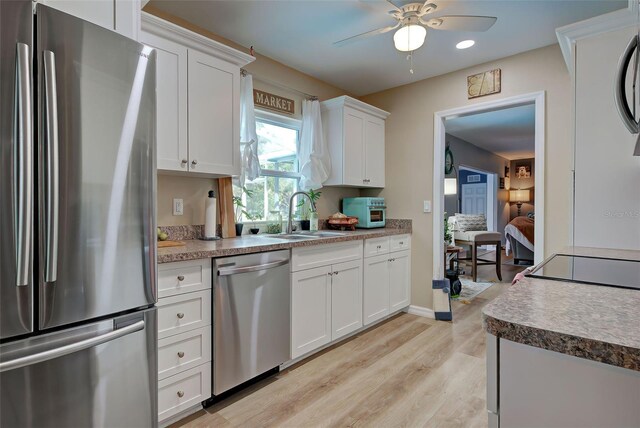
<point x="371" y="212"/>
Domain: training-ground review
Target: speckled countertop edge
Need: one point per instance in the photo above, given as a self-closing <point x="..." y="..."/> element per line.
<point x="197" y="249"/>
<point x="586" y="321"/>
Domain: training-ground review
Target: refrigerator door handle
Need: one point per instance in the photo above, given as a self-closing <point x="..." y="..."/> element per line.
<point x="51" y="165"/>
<point x="23" y="167"/>
<point x="625" y="111"/>
<point x="70" y="348"/>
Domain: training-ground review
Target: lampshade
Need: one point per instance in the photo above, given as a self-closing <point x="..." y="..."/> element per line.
<point x="519" y="195"/>
<point x="409" y="37"/>
<point x="450" y="186"/>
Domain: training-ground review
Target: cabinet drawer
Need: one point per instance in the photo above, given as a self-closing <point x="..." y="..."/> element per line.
<point x="399" y="242"/>
<point x="303" y="258"/>
<point x="376" y="246"/>
<point x="183" y="351"/>
<point x="184" y="390"/>
<point x="183" y="277"/>
<point x="183" y="312"/>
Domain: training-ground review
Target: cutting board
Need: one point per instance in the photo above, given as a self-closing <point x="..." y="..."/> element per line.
<point x="166" y="244"/>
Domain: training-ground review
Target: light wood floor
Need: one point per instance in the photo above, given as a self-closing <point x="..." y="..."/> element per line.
<point x="409" y="371"/>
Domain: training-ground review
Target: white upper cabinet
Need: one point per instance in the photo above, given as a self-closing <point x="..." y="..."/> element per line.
<point x="354" y="132"/>
<point x="122" y="16"/>
<point x="171" y="104"/>
<point x="198" y="100"/>
<point x="214" y="115"/>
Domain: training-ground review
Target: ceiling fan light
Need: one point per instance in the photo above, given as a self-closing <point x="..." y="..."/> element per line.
<point x="465" y="44"/>
<point x="409" y="37"/>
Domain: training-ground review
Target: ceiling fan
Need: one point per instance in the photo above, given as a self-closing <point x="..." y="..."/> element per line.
<point x="412" y="20"/>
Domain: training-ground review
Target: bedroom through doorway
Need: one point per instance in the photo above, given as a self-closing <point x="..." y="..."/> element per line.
<point x="490" y="196"/>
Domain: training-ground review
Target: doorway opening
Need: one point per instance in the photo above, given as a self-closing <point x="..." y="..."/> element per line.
<point x="489" y="190"/>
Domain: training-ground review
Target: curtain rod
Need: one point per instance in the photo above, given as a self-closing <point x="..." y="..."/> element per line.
<point x="244" y="72"/>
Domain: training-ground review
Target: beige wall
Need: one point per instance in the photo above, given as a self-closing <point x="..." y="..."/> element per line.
<point x="264" y="70"/>
<point x="409" y="147"/>
<point x="523" y="183"/>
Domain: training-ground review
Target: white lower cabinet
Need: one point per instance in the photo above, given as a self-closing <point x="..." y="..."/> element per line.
<point x="376" y="288"/>
<point x="184" y="337"/>
<point x="346" y="298"/>
<point x="387" y="276"/>
<point x="399" y="280"/>
<point x="310" y="310"/>
<point x="183" y="391"/>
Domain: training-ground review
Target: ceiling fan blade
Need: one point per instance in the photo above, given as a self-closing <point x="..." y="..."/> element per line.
<point x="427" y="8"/>
<point x="461" y="23"/>
<point x="365" y="35"/>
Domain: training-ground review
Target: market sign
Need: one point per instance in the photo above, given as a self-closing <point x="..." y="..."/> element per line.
<point x="273" y="102"/>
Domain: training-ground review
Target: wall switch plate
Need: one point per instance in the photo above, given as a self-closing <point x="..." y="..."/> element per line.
<point x="427" y="206"/>
<point x="178" y="206"/>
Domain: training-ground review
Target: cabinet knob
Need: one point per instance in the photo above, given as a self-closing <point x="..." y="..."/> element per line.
<point x="194" y="162"/>
<point x="184" y="162"/>
<point x="401" y="242"/>
<point x="330" y="274"/>
<point x="335" y="273"/>
<point x="180" y="394"/>
<point x="180" y="315"/>
<point x="180" y="354"/>
<point x="180" y="277"/>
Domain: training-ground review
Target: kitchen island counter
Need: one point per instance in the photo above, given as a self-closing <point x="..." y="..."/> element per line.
<point x="594" y="322"/>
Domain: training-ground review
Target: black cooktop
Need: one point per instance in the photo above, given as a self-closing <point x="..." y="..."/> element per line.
<point x="591" y="270"/>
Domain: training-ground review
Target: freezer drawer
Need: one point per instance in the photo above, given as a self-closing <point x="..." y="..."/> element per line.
<point x="65" y="379"/>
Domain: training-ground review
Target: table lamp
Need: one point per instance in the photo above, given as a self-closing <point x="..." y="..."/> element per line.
<point x="519" y="196"/>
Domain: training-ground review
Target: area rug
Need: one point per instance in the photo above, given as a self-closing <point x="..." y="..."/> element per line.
<point x="471" y="289"/>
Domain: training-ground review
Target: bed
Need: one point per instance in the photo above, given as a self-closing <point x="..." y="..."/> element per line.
<point x="519" y="235"/>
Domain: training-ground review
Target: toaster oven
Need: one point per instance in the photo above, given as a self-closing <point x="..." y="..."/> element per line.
<point x="371" y="212"/>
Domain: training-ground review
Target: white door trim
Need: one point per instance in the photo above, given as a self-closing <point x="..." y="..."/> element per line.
<point x="538" y="98"/>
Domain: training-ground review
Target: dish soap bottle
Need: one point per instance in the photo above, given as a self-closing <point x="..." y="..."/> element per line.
<point x="313" y="221"/>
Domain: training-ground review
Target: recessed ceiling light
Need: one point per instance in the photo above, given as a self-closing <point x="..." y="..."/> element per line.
<point x="465" y="44"/>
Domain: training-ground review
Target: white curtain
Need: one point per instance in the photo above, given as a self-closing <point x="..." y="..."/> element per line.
<point x="250" y="164"/>
<point x="313" y="154"/>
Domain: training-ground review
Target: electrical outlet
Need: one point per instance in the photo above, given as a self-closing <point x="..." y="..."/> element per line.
<point x="178" y="206"/>
<point x="427" y="206"/>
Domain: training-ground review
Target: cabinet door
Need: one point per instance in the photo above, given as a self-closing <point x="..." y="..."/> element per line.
<point x="214" y="109"/>
<point x="376" y="288"/>
<point x="374" y="152"/>
<point x="171" y="107"/>
<point x="399" y="280"/>
<point x="353" y="162"/>
<point x="122" y="16"/>
<point x="346" y="298"/>
<point x="310" y="310"/>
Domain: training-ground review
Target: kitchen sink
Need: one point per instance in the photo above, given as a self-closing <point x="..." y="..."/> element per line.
<point x="307" y="235"/>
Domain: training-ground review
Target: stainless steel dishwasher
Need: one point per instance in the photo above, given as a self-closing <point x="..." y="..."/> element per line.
<point x="252" y="306"/>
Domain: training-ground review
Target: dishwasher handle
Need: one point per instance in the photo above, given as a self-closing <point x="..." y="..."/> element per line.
<point x="245" y="269"/>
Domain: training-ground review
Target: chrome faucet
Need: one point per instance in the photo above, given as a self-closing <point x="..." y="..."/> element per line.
<point x="290" y="221"/>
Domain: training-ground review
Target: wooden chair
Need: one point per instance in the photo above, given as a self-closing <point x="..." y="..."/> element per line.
<point x="475" y="239"/>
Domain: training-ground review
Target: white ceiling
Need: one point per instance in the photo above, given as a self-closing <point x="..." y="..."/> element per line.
<point x="300" y="34"/>
<point x="509" y="132"/>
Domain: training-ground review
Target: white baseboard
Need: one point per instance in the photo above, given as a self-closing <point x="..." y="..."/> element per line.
<point x="421" y="311"/>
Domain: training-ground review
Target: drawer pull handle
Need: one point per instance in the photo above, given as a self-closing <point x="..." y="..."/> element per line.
<point x="180" y="278"/>
<point x="401" y="242"/>
<point x="379" y="246"/>
<point x="180" y="315"/>
<point x="180" y="394"/>
<point x="180" y="354"/>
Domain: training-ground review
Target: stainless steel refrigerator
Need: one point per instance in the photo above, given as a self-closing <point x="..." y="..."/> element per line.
<point x="77" y="229"/>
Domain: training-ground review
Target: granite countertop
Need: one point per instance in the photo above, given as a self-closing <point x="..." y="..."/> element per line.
<point x="588" y="321"/>
<point x="197" y="249"/>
